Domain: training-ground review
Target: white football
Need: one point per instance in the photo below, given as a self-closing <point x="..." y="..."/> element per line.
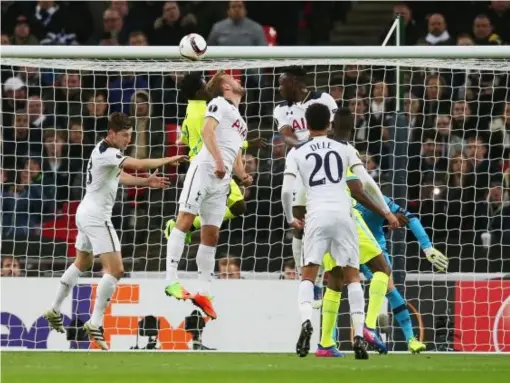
<point x="193" y="47"/>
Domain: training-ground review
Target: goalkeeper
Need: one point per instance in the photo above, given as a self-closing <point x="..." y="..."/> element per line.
<point x="438" y="260"/>
<point x="194" y="89"/>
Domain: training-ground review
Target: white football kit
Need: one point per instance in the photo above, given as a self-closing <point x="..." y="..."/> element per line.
<point x="96" y="233"/>
<point x="203" y="193"/>
<point x="293" y="115"/>
<point x="322" y="163"/>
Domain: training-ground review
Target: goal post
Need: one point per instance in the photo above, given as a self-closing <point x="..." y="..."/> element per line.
<point x="422" y="113"/>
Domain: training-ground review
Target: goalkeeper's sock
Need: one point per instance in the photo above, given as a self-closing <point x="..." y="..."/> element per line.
<point x="67" y="282"/>
<point x="105" y="290"/>
<point x="297" y="247"/>
<point x="330" y="306"/>
<point x="174" y="249"/>
<point x="197" y="223"/>
<point x="357" y="307"/>
<point x="228" y="215"/>
<point x="305" y="300"/>
<point x="205" y="265"/>
<point x="376" y="293"/>
<point x="401" y="313"/>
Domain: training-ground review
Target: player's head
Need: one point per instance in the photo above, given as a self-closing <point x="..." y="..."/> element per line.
<point x="192" y="86"/>
<point x="343" y="124"/>
<point x="317" y="118"/>
<point x="223" y="84"/>
<point x="119" y="130"/>
<point x="292" y="82"/>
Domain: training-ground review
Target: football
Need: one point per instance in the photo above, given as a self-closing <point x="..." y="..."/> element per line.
<point x="193" y="47"/>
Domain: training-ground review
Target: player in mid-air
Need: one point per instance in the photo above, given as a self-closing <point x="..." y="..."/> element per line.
<point x="323" y="164"/>
<point x="194" y="90"/>
<point x="206" y="188"/>
<point x="290" y="119"/>
<point x="96" y="235"/>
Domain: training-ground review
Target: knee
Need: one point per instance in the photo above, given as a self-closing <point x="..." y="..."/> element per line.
<point x="238" y="208"/>
<point x="116" y="272"/>
<point x="184" y="221"/>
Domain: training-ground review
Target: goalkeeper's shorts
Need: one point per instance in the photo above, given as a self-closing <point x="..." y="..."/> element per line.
<point x="369" y="248"/>
<point x="234" y="194"/>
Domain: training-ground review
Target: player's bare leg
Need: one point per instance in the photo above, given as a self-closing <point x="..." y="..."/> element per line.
<point x="82" y="263"/>
<point x="113" y="271"/>
<point x="327" y="347"/>
<point x="401" y="313"/>
<point x="305" y="301"/>
<point x="357" y="309"/>
<point x="377" y="291"/>
<point x="174" y="250"/>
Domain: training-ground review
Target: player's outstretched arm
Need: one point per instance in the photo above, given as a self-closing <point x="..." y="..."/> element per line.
<point x="288" y="136"/>
<point x="240" y="172"/>
<point x="153" y="181"/>
<point x="152" y="163"/>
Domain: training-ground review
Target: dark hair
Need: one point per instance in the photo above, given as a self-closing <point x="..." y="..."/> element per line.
<point x="191" y="84"/>
<point x="317" y="117"/>
<point x="118" y="121"/>
<point x="343" y="123"/>
<point x="296" y="71"/>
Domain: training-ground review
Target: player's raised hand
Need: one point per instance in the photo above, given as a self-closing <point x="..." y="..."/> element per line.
<point x="156" y="182"/>
<point x="438" y="259"/>
<point x="247" y="180"/>
<point x="393" y="222"/>
<point x="297" y="224"/>
<point x="220" y="170"/>
<point x="176" y="160"/>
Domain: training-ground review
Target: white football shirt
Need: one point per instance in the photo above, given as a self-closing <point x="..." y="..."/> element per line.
<point x="293" y="114"/>
<point x="230" y="132"/>
<point x="103" y="172"/>
<point x="323" y="164"/>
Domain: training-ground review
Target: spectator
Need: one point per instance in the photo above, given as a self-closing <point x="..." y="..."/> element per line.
<point x="122" y="89"/>
<point x="498" y="213"/>
<point x="148" y="139"/>
<point x="56" y="165"/>
<point x="80" y="144"/>
<point x="289" y="271"/>
<point x="463" y="123"/>
<point x="37" y="115"/>
<point x="21" y="141"/>
<point x="24" y="205"/>
<point x="137" y="38"/>
<point x="500" y="14"/>
<point x="500" y="133"/>
<point x="171" y="27"/>
<point x="437" y="31"/>
<point x="229" y="268"/>
<point x="380" y="117"/>
<point x="114" y="31"/>
<point x="465" y="39"/>
<point x="68" y="97"/>
<point x="476" y="153"/>
<point x="14" y="98"/>
<point x="4" y="40"/>
<point x="336" y="90"/>
<point x="95" y="119"/>
<point x="450" y="145"/>
<point x="355" y="79"/>
<point x="358" y="109"/>
<point x="483" y="32"/>
<point x="412" y="31"/>
<point x="10" y="266"/>
<point x="22" y="34"/>
<point x="237" y="29"/>
<point x="436" y="98"/>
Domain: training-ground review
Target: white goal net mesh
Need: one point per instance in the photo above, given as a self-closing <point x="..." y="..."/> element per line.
<point x="445" y="158"/>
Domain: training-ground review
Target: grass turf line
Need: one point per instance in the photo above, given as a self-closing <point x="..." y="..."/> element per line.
<point x="246" y="368"/>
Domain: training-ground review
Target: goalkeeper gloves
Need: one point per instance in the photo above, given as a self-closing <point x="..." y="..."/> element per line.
<point x="438" y="259"/>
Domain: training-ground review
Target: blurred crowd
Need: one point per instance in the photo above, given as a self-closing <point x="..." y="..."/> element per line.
<point x="458" y="162"/>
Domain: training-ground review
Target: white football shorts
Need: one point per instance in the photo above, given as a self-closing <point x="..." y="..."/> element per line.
<point x="204" y="194"/>
<point x="333" y="233"/>
<point x="96" y="238"/>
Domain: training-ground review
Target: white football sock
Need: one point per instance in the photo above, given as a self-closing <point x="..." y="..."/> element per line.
<point x="205" y="265"/>
<point x="357" y="307"/>
<point x="320" y="276"/>
<point x="305" y="300"/>
<point x="174" y="249"/>
<point x="67" y="282"/>
<point x="105" y="290"/>
<point x="297" y="247"/>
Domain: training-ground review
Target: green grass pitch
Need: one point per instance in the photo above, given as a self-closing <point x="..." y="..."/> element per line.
<point x="140" y="367"/>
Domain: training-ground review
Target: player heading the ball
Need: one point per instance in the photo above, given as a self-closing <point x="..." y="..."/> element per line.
<point x="96" y="234"/>
<point x="206" y="187"/>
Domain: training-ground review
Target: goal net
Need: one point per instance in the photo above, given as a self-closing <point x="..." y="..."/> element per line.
<point x="434" y="133"/>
